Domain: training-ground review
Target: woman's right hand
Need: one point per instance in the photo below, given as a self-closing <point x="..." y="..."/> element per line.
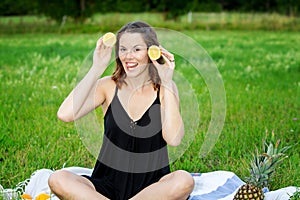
<point x="102" y="54"/>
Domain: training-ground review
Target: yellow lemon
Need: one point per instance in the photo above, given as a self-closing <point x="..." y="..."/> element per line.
<point x="43" y="196"/>
<point x="26" y="197"/>
<point x="154" y="52"/>
<point x="109" y="39"/>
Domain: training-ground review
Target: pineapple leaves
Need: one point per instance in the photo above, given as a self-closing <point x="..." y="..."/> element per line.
<point x="264" y="164"/>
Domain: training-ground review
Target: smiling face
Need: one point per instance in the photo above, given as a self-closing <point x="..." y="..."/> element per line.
<point x="132" y="59"/>
<point x="133" y="54"/>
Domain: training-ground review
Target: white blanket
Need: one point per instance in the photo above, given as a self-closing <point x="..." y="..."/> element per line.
<point x="217" y="185"/>
<point x="222" y="185"/>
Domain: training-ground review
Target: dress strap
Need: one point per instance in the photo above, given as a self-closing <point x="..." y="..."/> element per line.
<point x="116" y="90"/>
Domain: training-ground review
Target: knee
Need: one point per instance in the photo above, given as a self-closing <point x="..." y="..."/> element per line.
<point x="184" y="184"/>
<point x="56" y="181"/>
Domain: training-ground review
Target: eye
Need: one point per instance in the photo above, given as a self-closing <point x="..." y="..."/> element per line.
<point x="137" y="49"/>
<point x="122" y="50"/>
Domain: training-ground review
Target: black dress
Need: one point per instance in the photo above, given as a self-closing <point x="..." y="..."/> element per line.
<point x="133" y="154"/>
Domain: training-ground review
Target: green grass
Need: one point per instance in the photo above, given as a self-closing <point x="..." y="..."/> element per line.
<point x="260" y="71"/>
<point x="113" y="21"/>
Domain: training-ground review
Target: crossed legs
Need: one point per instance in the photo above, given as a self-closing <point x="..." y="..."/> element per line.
<point x="174" y="186"/>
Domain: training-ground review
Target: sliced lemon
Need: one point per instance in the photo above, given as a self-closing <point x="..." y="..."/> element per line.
<point x="154" y="52"/>
<point x="43" y="196"/>
<point x="26" y="197"/>
<point x="109" y="39"/>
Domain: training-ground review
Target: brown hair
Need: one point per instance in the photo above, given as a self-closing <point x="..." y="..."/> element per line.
<point x="150" y="38"/>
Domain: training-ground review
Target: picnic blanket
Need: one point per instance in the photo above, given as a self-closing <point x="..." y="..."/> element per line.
<point x="216" y="185"/>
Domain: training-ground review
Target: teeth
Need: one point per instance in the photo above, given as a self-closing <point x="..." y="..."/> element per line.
<point x="131" y="64"/>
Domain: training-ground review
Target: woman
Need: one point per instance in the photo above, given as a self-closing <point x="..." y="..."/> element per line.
<point x="141" y="107"/>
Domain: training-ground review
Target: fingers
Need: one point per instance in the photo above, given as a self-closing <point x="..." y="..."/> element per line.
<point x="168" y="57"/>
<point x="167" y="64"/>
<point x="170" y="64"/>
<point x="100" y="45"/>
<point x="155" y="62"/>
<point x="101" y="49"/>
<point x="167" y="54"/>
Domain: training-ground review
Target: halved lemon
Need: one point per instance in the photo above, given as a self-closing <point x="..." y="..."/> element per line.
<point x="109" y="39"/>
<point x="43" y="196"/>
<point x="26" y="196"/>
<point x="154" y="52"/>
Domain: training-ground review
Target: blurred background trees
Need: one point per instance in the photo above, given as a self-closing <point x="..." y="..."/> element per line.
<point x="81" y="9"/>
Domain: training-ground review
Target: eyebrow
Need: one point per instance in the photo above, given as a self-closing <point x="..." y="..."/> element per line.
<point x="134" y="45"/>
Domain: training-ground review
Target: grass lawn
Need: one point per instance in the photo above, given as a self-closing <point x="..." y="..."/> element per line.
<point x="261" y="75"/>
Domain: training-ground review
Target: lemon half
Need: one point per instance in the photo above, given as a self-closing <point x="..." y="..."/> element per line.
<point x="154" y="52"/>
<point x="43" y="196"/>
<point x="109" y="39"/>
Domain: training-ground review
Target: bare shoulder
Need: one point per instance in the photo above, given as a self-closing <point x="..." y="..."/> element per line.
<point x="106" y="86"/>
<point x="106" y="79"/>
<point x="106" y="83"/>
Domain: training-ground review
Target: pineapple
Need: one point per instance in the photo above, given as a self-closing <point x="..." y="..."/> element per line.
<point x="261" y="169"/>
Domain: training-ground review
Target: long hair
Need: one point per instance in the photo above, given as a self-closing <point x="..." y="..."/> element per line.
<point x="150" y="38"/>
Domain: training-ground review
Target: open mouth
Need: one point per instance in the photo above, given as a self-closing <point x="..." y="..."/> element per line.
<point x="131" y="65"/>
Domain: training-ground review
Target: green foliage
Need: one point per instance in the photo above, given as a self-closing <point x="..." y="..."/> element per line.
<point x="205" y="6"/>
<point x="113" y="21"/>
<point x="264" y="163"/>
<point x="288" y="7"/>
<point x="173" y="9"/>
<point x="296" y="195"/>
<point x="18" y="7"/>
<point x="56" y="9"/>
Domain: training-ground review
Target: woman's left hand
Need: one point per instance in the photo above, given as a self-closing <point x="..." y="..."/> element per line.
<point x="165" y="70"/>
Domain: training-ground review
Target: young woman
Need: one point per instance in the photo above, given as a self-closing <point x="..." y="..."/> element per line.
<point x="142" y="117"/>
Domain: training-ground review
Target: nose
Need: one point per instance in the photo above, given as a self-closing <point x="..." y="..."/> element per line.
<point x="129" y="54"/>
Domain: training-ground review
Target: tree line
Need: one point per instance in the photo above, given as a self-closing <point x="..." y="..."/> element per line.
<point x="81" y="9"/>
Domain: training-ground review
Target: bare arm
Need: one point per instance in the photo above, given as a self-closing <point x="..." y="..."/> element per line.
<point x="88" y="94"/>
<point x="173" y="127"/>
<point x="172" y="124"/>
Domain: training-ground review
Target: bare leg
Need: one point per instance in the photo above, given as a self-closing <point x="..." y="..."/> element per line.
<point x="66" y="185"/>
<point x="175" y="186"/>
